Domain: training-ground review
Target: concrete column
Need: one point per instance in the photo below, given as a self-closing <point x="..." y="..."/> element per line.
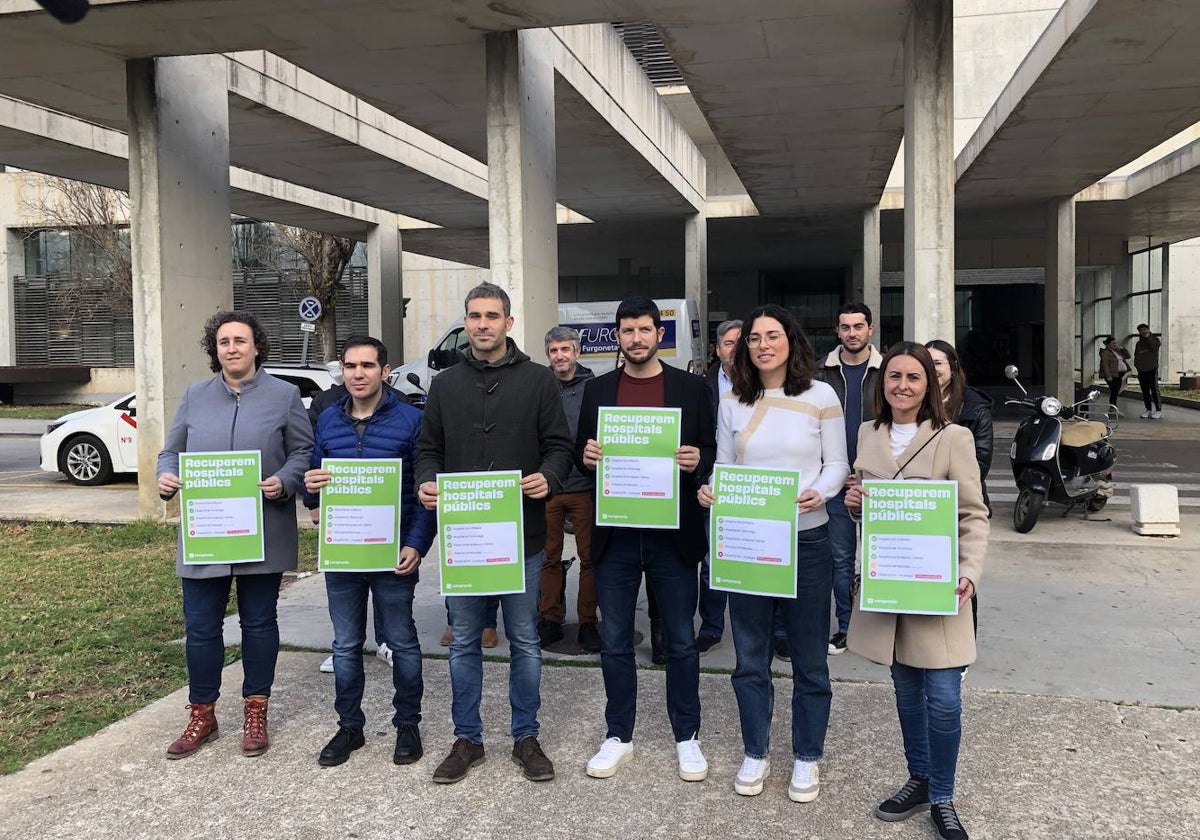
<point x="522" y="221"/>
<point x="1058" y="355"/>
<point x="929" y="172"/>
<point x="872" y="267"/>
<point x="1122" y="286"/>
<point x="385" y="287"/>
<point x="1164" y="319"/>
<point x="695" y="271"/>
<point x="1088" y="360"/>
<point x="11" y="257"/>
<point x="179" y="185"/>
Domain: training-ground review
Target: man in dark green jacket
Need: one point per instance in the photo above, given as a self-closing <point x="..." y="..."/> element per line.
<point x="496" y="410"/>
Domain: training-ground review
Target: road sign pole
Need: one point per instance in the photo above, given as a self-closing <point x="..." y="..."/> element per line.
<point x="304" y="350"/>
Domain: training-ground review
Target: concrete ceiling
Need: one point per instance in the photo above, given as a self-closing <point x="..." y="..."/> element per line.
<point x="1108" y="80"/>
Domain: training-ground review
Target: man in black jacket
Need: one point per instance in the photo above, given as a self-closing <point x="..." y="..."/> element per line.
<point x="669" y="557"/>
<point x="496" y="410"/>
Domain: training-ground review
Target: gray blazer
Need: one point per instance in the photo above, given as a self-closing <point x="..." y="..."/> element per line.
<point x="267" y="416"/>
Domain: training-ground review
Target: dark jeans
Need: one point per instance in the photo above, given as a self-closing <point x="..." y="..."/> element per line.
<point x="806" y="620"/>
<point x="631" y="552"/>
<point x="468" y="617"/>
<point x="1148" y="379"/>
<point x="712" y="605"/>
<point x="490" y="608"/>
<point x="1114" y="388"/>
<point x="204" y="603"/>
<point x="929" y="704"/>
<point x="392" y="596"/>
<point x="843" y="538"/>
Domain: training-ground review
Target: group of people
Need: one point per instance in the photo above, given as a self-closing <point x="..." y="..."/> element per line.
<point x="1115" y="369"/>
<point x="857" y="414"/>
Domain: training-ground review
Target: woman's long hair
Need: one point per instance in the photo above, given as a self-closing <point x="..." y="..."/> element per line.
<point x="931" y="407"/>
<point x="956" y="392"/>
<point x="801" y="363"/>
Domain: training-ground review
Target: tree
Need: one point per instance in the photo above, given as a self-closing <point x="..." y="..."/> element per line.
<point x="99" y="265"/>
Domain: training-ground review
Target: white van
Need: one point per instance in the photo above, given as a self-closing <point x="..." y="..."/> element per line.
<point x="681" y="347"/>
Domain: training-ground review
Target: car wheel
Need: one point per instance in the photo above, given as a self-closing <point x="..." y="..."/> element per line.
<point x="84" y="460"/>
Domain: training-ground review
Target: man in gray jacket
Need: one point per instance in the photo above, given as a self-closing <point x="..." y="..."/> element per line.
<point x="575" y="501"/>
<point x="496" y="410"/>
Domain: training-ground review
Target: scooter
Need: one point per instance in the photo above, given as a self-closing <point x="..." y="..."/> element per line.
<point x="1061" y="453"/>
<point x="421" y="397"/>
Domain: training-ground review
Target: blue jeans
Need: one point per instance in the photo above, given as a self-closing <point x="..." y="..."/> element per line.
<point x="805" y="617"/>
<point x="631" y="552"/>
<point x="204" y="603"/>
<point x="392" y="595"/>
<point x="489" y="611"/>
<point x="712" y="605"/>
<point x="467" y="620"/>
<point x="843" y="539"/>
<point x="929" y="703"/>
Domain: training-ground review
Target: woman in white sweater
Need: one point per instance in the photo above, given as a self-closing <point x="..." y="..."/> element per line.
<point x="778" y="416"/>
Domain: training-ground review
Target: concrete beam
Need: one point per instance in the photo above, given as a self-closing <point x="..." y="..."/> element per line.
<point x="179" y="185"/>
<point x="929" y="172"/>
<point x="695" y="269"/>
<point x="872" y="266"/>
<point x="1058" y="359"/>
<point x="385" y="290"/>
<point x="522" y="223"/>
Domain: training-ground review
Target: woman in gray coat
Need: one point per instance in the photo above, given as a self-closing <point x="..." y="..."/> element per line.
<point x="241" y="408"/>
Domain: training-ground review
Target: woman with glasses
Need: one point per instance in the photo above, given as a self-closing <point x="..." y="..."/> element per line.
<point x="777" y="415"/>
<point x="912" y="439"/>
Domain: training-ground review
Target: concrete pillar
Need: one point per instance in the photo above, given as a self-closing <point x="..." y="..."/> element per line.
<point x="1164" y="320"/>
<point x="1088" y="360"/>
<point x="179" y="185"/>
<point x="1058" y="355"/>
<point x="929" y="172"/>
<point x="522" y="220"/>
<point x="12" y="263"/>
<point x="695" y="271"/>
<point x="385" y="287"/>
<point x="1122" y="286"/>
<point x="872" y="267"/>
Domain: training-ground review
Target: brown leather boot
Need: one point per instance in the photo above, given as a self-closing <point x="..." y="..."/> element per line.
<point x="254" y="725"/>
<point x="201" y="728"/>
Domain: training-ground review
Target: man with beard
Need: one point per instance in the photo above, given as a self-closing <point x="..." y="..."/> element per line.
<point x="575" y="501"/>
<point x="669" y="557"/>
<point x="496" y="410"/>
<point x="851" y="368"/>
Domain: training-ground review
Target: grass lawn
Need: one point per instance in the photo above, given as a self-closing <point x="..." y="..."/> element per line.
<point x="86" y="624"/>
<point x="38" y="412"/>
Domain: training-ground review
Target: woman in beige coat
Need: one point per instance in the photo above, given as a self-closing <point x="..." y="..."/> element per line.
<point x="911" y="439"/>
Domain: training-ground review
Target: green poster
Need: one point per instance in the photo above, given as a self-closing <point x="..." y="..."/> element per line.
<point x="220" y="507"/>
<point x="360" y="515"/>
<point x="637" y="481"/>
<point x="910" y="547"/>
<point x="481" y="533"/>
<point x="752" y="530"/>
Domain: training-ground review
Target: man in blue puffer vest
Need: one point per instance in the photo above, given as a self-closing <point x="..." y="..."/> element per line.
<point x="371" y="422"/>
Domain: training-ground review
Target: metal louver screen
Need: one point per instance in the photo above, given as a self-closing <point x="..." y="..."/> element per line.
<point x="644" y="41"/>
<point x="51" y="330"/>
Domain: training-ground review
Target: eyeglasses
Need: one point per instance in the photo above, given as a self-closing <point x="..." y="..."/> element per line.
<point x="772" y="338"/>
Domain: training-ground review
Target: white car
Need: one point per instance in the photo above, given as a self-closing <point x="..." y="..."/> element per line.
<point x="91" y="446"/>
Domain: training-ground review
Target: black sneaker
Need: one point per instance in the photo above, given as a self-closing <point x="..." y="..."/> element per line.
<point x="910" y="799"/>
<point x="534" y="763"/>
<point x="837" y="644"/>
<point x="346" y="741"/>
<point x="705" y="642"/>
<point x="408" y="744"/>
<point x="589" y="637"/>
<point x="548" y="632"/>
<point x="945" y="820"/>
<point x="781" y="650"/>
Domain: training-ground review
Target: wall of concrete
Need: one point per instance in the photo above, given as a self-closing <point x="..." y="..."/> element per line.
<point x="436" y="289"/>
<point x="1184" y="349"/>
<point x="106" y="385"/>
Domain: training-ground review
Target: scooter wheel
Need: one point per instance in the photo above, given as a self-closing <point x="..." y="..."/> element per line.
<point x="1096" y="503"/>
<point x="1027" y="510"/>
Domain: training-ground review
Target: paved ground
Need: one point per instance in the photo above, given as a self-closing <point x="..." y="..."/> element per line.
<point x="1078" y="621"/>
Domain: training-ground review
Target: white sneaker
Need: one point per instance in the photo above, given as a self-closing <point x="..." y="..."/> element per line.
<point x="384" y="653"/>
<point x="806" y="782"/>
<point x="327" y="665"/>
<point x="612" y="756"/>
<point x="1155" y="415"/>
<point x="752" y="776"/>
<point x="1146" y="415"/>
<point x="693" y="766"/>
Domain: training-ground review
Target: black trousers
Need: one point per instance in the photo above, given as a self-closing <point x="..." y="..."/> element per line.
<point x="1148" y="379"/>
